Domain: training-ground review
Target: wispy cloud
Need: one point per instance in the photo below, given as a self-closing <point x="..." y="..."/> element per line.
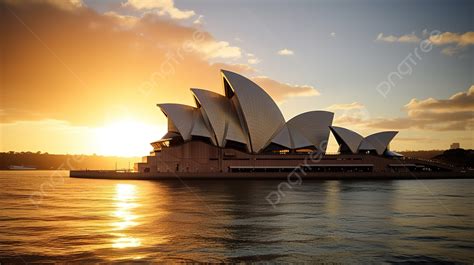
<point x="134" y="67"/>
<point x="136" y="56"/>
<point x="452" y="114"/>
<point x="217" y="49"/>
<point x="252" y="59"/>
<point x="125" y="22"/>
<point x="244" y="69"/>
<point x="451" y="50"/>
<point x="453" y="43"/>
<point x="462" y="40"/>
<point x="199" y="20"/>
<point x="407" y="38"/>
<point x="345" y="106"/>
<point x="282" y="91"/>
<point x="354" y="113"/>
<point x="285" y="52"/>
<point x="457" y="42"/>
<point x="62" y="4"/>
<point x="162" y="7"/>
<point x="462" y="101"/>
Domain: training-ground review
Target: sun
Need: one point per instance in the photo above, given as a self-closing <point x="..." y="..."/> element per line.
<point x="127" y="137"/>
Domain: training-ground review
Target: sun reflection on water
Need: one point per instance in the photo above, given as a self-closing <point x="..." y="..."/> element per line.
<point x="125" y="197"/>
<point x="126" y="242"/>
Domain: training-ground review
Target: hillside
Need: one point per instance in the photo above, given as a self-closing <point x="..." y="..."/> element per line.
<point x="423" y="154"/>
<point x="457" y="157"/>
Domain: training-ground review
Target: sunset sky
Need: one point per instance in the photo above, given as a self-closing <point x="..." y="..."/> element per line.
<point x="85" y="76"/>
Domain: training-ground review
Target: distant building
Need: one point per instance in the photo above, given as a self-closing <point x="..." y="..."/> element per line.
<point x="455" y="146"/>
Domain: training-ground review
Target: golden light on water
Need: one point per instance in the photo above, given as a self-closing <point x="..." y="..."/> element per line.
<point x="333" y="193"/>
<point x="126" y="242"/>
<point x="125" y="197"/>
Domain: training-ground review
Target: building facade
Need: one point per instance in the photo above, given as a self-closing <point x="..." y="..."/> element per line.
<point x="243" y="130"/>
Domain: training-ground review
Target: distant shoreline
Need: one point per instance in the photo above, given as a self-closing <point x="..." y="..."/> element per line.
<point x="46" y="161"/>
<point x="22" y="170"/>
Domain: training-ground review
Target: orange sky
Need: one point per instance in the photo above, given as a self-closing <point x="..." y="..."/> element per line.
<point x="78" y="81"/>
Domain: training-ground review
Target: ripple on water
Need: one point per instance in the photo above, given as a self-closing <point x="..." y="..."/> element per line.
<point x="94" y="221"/>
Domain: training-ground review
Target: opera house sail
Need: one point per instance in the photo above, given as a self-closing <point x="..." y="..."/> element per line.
<point x="242" y="131"/>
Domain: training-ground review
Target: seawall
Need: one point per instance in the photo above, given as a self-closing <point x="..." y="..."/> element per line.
<point x="101" y="174"/>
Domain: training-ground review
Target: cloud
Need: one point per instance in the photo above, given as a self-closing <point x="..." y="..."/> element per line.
<point x="285" y="52"/>
<point x="350" y="113"/>
<point x="457" y="42"/>
<point x="333" y="34"/>
<point x="252" y="59"/>
<point x="217" y="49"/>
<point x="162" y="7"/>
<point x="210" y="48"/>
<point x="79" y="64"/>
<point x="347" y="106"/>
<point x="244" y="69"/>
<point x="451" y="50"/>
<point x="199" y="20"/>
<point x="348" y="120"/>
<point x="415" y="139"/>
<point x="281" y="91"/>
<point x="62" y="4"/>
<point x="455" y="113"/>
<point x="90" y="65"/>
<point x="407" y="38"/>
<point x="462" y="40"/>
<point x="433" y="124"/>
<point x="462" y="101"/>
<point x="126" y="22"/>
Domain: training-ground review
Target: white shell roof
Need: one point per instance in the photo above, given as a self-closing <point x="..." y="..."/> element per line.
<point x="345" y="136"/>
<point x="248" y="115"/>
<point x="377" y="141"/>
<point x="314" y="126"/>
<point x="355" y="142"/>
<point x="283" y="138"/>
<point x="298" y="139"/>
<point x="187" y="120"/>
<point x="261" y="116"/>
<point x="199" y="126"/>
<point x="290" y="138"/>
<point x="222" y="118"/>
<point x="182" y="117"/>
<point x="171" y="126"/>
<point x="307" y="129"/>
<point x="366" y="145"/>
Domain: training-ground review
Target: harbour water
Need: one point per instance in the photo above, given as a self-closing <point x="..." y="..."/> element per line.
<point x="47" y="217"/>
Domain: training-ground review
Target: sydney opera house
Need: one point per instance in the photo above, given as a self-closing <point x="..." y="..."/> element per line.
<point x="242" y="131"/>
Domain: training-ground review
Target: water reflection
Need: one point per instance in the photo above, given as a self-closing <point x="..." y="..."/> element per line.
<point x="125" y="201"/>
<point x="333" y="190"/>
<point x="102" y="221"/>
